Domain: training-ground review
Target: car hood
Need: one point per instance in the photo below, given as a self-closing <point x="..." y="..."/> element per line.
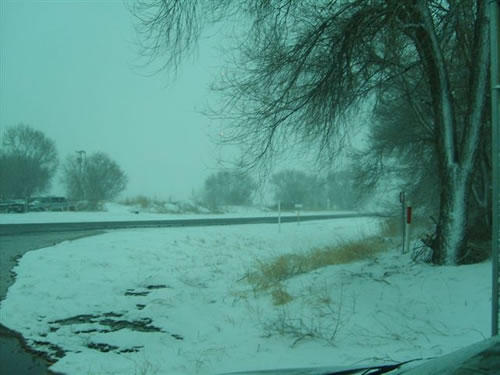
<point x="334" y="370"/>
<point x="480" y="358"/>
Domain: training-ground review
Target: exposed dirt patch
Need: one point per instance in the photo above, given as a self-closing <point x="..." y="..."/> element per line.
<point x="105" y="348"/>
<point x="159" y="286"/>
<point x="111" y="320"/>
<point x="132" y="292"/>
<point x="143" y="293"/>
<point x="54" y="350"/>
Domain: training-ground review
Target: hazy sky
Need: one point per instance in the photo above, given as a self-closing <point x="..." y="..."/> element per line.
<point x="71" y="69"/>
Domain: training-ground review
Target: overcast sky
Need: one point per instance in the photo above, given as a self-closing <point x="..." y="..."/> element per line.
<point x="71" y="69"/>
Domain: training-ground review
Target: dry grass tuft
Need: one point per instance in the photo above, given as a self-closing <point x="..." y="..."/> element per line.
<point x="347" y="252"/>
<point x="139" y="200"/>
<point x="268" y="275"/>
<point x="280" y="296"/>
<point x="271" y="274"/>
<point x="391" y="227"/>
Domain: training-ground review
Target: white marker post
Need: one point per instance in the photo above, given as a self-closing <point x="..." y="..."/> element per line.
<point x="279" y="216"/>
<point x="407" y="227"/>
<point x="298" y="207"/>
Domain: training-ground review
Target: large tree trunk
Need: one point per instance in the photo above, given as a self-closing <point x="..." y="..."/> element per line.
<point x="457" y="150"/>
<point x="451" y="234"/>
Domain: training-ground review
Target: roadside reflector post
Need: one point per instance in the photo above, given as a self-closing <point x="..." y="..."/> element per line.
<point x="402" y="199"/>
<point x="407" y="227"/>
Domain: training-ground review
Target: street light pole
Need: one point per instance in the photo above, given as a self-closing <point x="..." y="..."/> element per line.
<point x="82" y="155"/>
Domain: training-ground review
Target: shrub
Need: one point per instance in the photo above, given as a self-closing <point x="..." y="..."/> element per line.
<point x="139" y="200"/>
<point x="94" y="178"/>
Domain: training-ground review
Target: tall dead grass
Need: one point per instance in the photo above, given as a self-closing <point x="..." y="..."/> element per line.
<point x="268" y="275"/>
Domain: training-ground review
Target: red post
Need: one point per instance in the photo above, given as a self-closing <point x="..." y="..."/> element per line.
<point x="406" y="243"/>
<point x="408" y="215"/>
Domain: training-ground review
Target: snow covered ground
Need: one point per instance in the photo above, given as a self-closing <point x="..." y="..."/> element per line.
<point x="176" y="301"/>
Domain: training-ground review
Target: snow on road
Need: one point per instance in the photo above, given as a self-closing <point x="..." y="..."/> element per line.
<point x="176" y="301"/>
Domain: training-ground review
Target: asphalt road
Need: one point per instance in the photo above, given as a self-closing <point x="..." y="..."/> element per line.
<point x="18" y="229"/>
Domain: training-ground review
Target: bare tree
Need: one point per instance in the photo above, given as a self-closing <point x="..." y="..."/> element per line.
<point x="402" y="148"/>
<point x="95" y="178"/>
<point x="73" y="176"/>
<point x="342" y="191"/>
<point x="293" y="187"/>
<point x="28" y="160"/>
<point x="228" y="188"/>
<point x="304" y="66"/>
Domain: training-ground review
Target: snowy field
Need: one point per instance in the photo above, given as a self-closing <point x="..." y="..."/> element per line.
<point x="176" y="301"/>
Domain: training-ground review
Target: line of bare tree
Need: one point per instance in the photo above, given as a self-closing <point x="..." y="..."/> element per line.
<point x="29" y="162"/>
<point x="337" y="190"/>
<point x="301" y="70"/>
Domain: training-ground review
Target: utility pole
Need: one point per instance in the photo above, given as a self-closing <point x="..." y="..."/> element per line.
<point x="495" y="139"/>
<point x="81" y="159"/>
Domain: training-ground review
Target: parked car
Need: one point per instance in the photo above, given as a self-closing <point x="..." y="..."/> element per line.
<point x="50" y="204"/>
<point x="9" y="206"/>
